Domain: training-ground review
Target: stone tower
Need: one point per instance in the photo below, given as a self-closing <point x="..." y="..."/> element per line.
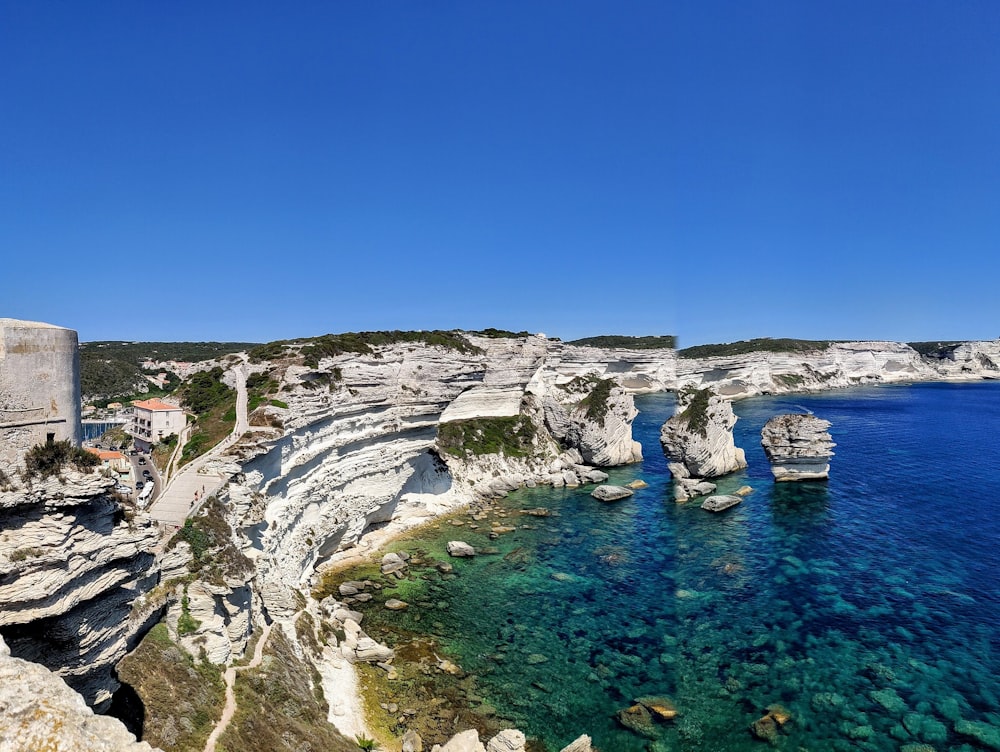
<point x="39" y="387"/>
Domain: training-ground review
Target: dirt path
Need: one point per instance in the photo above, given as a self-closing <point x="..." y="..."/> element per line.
<point x="229" y="710"/>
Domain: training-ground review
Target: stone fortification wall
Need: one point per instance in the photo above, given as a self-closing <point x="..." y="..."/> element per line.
<point x="39" y="387"/>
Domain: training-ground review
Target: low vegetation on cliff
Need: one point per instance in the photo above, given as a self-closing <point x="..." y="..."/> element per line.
<point x="936" y="350"/>
<point x="214" y="556"/>
<point x="112" y="371"/>
<point x="214" y="405"/>
<point x="280" y="705"/>
<point x="695" y="414"/>
<point x="182" y="696"/>
<point x="511" y="436"/>
<point x="762" y="344"/>
<point x="312" y="349"/>
<point x="655" y="342"/>
<point x="45" y="460"/>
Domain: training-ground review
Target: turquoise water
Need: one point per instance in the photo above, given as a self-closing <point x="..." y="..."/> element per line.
<point x="868" y="605"/>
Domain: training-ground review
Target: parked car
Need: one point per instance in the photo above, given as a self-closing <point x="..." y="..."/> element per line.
<point x="146" y="474"/>
<point x="142" y="460"/>
<point x="123" y="489"/>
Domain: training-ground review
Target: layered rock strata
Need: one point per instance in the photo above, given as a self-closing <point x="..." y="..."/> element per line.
<point x="799" y="447"/>
<point x="73" y="561"/>
<point x="360" y="443"/>
<point x="838" y="365"/>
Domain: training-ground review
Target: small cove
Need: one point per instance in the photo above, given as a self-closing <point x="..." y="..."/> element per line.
<point x="868" y="605"/>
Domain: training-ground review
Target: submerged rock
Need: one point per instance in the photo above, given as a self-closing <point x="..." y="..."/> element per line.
<point x="508" y="740"/>
<point x="611" y="493"/>
<point x="690" y="488"/>
<point x="638" y="720"/>
<point x="720" y="503"/>
<point x="661" y="708"/>
<point x="580" y="744"/>
<point x="798" y="447"/>
<point x="460" y="549"/>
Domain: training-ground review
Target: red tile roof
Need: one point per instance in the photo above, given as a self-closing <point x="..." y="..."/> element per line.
<point x="154" y="404"/>
<point x="106" y="455"/>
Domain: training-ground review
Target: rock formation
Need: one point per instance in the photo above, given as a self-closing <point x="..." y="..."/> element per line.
<point x="798" y="447"/>
<point x="698" y="440"/>
<point x="39" y="712"/>
<point x="73" y="560"/>
<point x="594" y="416"/>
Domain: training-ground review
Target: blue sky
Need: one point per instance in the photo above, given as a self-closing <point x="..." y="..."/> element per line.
<point x="241" y="171"/>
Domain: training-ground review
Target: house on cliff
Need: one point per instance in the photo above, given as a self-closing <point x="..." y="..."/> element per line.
<point x="154" y="420"/>
<point x="39" y="387"/>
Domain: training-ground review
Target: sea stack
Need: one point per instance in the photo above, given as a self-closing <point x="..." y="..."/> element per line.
<point x="798" y="447"/>
<point x="698" y="440"/>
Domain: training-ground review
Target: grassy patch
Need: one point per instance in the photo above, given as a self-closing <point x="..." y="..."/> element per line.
<point x="511" y="436"/>
<point x="790" y="380"/>
<point x="214" y="556"/>
<point x="280" y="706"/>
<point x="182" y="696"/>
<point x="695" y="415"/>
<point x="596" y="403"/>
<point x="763" y="344"/>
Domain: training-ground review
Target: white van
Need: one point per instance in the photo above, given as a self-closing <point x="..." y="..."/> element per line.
<point x="145" y="493"/>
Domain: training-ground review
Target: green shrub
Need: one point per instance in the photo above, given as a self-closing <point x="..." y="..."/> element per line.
<point x="656" y="342"/>
<point x="44" y="460"/>
<point x="596" y="403"/>
<point x="763" y="344"/>
<point x="511" y="436"/>
<point x="696" y="412"/>
<point x="205" y="390"/>
<point x="365" y="743"/>
<point x="186" y="624"/>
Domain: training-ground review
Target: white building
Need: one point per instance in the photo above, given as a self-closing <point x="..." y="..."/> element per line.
<point x="154" y="420"/>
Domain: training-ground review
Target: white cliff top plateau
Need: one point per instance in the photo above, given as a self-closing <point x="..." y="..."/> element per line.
<point x="484" y="402"/>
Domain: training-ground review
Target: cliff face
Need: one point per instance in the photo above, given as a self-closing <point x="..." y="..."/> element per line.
<point x="39" y="712"/>
<point x="71" y="565"/>
<point x="842" y="364"/>
<point x="359" y="443"/>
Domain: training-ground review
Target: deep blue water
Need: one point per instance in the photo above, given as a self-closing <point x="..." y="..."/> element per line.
<point x="867" y="605"/>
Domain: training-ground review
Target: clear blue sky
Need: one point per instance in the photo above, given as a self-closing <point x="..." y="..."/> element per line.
<point x="252" y="171"/>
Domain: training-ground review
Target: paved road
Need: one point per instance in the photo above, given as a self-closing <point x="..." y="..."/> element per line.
<point x="178" y="499"/>
<point x="139" y="480"/>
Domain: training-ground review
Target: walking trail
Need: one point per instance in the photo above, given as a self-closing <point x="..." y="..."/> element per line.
<point x="230" y="707"/>
<point x="176" y="501"/>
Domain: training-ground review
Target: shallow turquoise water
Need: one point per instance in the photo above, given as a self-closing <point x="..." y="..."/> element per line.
<point x="869" y="605"/>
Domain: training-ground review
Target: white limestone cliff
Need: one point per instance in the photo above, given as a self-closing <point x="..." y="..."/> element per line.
<point x="72" y="562"/>
<point x="839" y="365"/>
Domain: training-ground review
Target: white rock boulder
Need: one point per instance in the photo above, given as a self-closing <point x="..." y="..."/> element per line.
<point x="799" y="447"/>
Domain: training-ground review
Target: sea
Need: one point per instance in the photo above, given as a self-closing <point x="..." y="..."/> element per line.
<point x="862" y="611"/>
